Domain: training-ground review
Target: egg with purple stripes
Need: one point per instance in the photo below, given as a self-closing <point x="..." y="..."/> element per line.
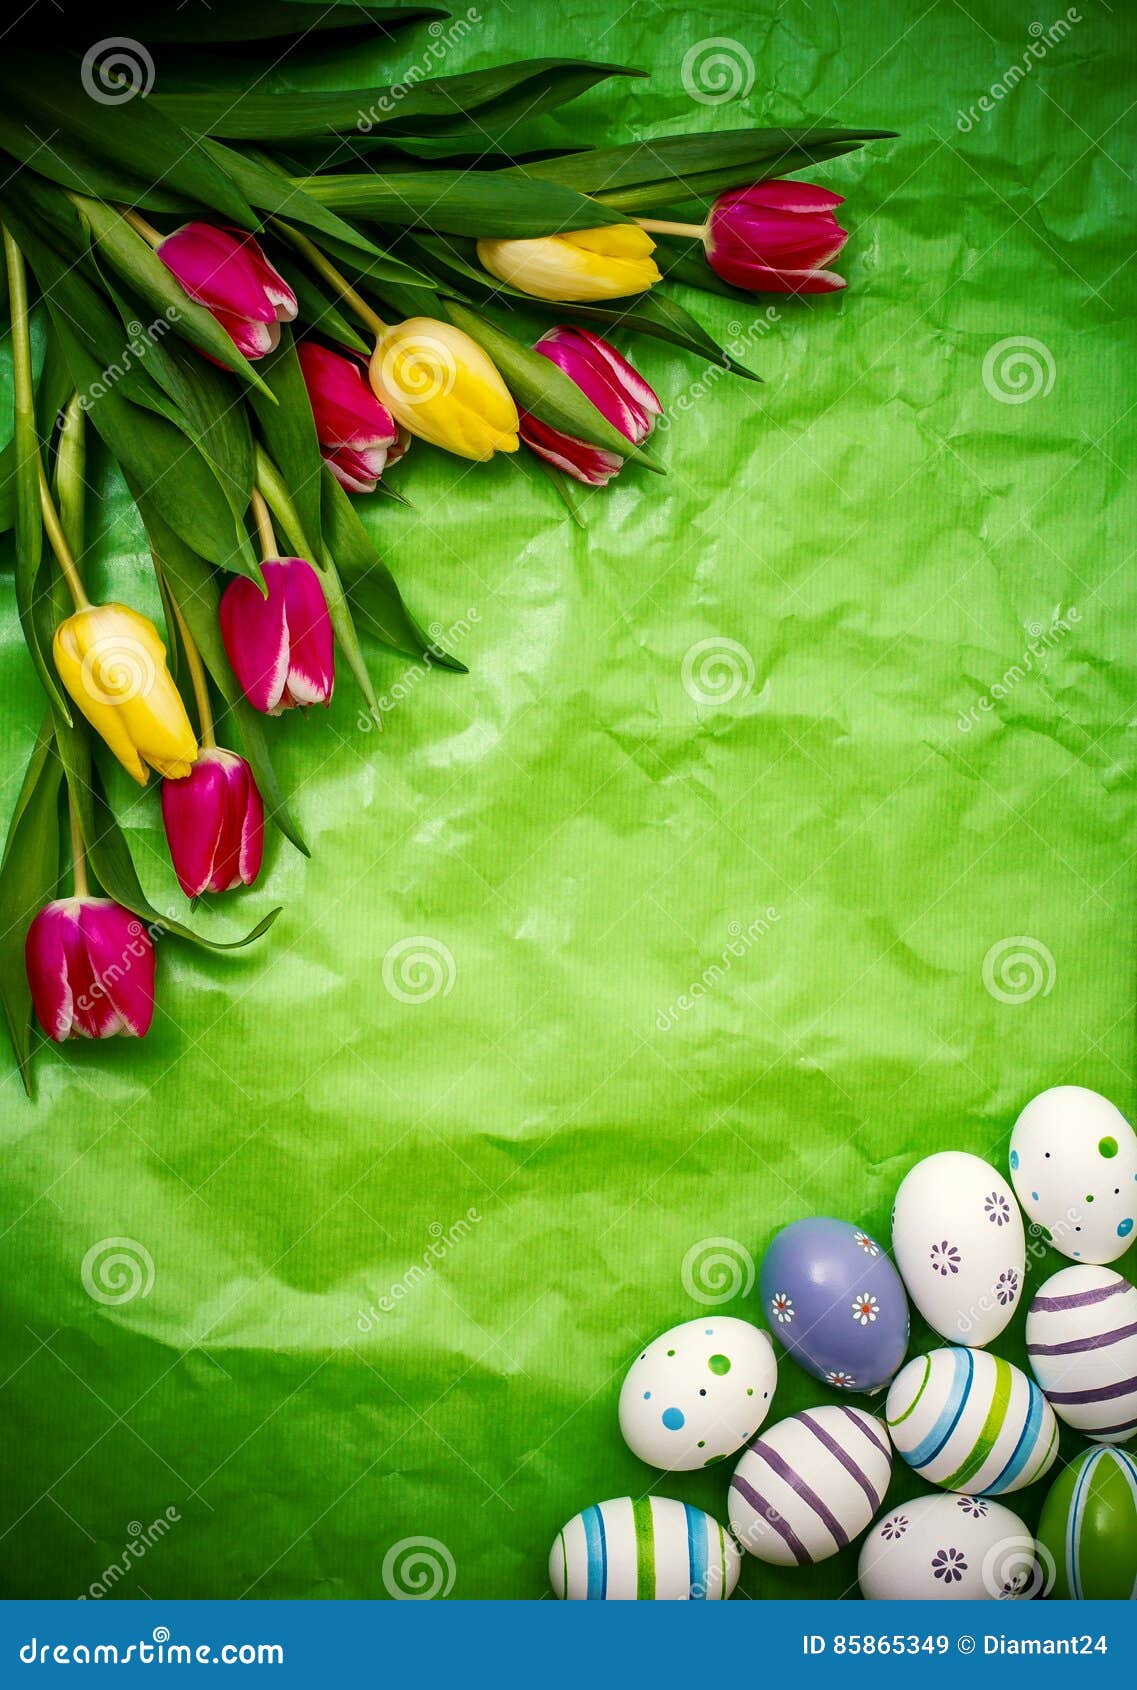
<point x="811" y="1484"/>
<point x="648" y="1548"/>
<point x="1081" y="1337"/>
<point x="950" y="1549"/>
<point x="969" y="1421"/>
<point x="698" y="1393"/>
<point x="834" y="1299"/>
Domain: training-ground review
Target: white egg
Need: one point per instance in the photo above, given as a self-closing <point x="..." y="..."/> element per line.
<point x="651" y="1548"/>
<point x="971" y="1422"/>
<point x="1081" y="1337"/>
<point x="957" y="1236"/>
<point x="1074" y="1167"/>
<point x="698" y="1392"/>
<point x="949" y="1548"/>
<point x="810" y="1485"/>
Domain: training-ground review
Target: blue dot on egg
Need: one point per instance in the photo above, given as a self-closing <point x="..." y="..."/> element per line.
<point x="1014" y="1158"/>
<point x="674" y="1419"/>
<point x="647" y="1394"/>
<point x="1034" y="1196"/>
<point x="1124" y="1228"/>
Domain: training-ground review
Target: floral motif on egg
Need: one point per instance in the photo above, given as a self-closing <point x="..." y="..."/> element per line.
<point x="1007" y="1287"/>
<point x="893" y="1529"/>
<point x="949" y="1565"/>
<point x="843" y="1381"/>
<point x="865" y="1309"/>
<point x="945" y="1258"/>
<point x="973" y="1505"/>
<point x="782" y="1308"/>
<point x="997" y="1208"/>
<point x="866" y="1244"/>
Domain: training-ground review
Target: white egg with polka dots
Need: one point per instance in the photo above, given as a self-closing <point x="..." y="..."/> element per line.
<point x="698" y="1393"/>
<point x="1074" y="1170"/>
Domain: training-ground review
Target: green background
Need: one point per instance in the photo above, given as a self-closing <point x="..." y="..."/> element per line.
<point x="882" y="536"/>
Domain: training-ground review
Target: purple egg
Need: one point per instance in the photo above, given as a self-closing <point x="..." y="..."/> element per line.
<point x="833" y="1298"/>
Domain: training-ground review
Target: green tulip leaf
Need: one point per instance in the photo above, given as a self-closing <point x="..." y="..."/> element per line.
<point x="461" y="202"/>
<point x="29" y="878"/>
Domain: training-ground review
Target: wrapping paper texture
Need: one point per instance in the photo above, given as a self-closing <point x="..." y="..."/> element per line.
<point x="717" y="866"/>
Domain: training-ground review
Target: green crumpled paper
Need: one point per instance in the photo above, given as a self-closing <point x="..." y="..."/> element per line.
<point x="818" y="734"/>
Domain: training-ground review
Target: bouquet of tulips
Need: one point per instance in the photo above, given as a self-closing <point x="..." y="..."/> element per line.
<point x="257" y="336"/>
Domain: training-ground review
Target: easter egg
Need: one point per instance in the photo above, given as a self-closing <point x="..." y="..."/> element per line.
<point x="1088" y="1529"/>
<point x="970" y="1422"/>
<point x="810" y="1485"/>
<point x="1074" y="1168"/>
<point x="957" y="1236"/>
<point x="651" y="1548"/>
<point x="698" y="1393"/>
<point x="834" y="1299"/>
<point x="949" y="1549"/>
<point x="1081" y="1337"/>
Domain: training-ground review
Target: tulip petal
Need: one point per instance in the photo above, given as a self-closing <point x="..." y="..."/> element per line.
<point x="311" y="663"/>
<point x="46" y="961"/>
<point x="346" y="411"/>
<point x="591" y="464"/>
<point x="255" y="631"/>
<point x="121" y="962"/>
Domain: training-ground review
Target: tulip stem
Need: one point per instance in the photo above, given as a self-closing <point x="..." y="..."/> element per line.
<point x="262" y="516"/>
<point x="371" y="319"/>
<point x="78" y="852"/>
<point x="196" y="669"/>
<point x="139" y="224"/>
<point x="657" y="226"/>
<point x="59" y="544"/>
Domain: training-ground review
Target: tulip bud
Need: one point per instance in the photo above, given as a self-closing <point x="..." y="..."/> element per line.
<point x="279" y="642"/>
<point x="775" y="237"/>
<point x="358" y="436"/>
<point x="617" y="390"/>
<point x="90" y="967"/>
<point x="440" y="385"/>
<point x="214" y="821"/>
<point x="608" y="263"/>
<point x="226" y="271"/>
<point x="113" y="664"/>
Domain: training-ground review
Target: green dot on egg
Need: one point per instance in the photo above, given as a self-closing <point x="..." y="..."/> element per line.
<point x="1089" y="1197"/>
<point x="749" y="1390"/>
<point x="1107" y="1147"/>
<point x="702" y="1444"/>
<point x="671" y="1352"/>
<point x="719" y="1364"/>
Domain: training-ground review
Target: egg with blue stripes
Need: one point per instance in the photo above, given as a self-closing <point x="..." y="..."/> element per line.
<point x="1081" y="1337"/>
<point x="1088" y="1529"/>
<point x="969" y="1421"/>
<point x="649" y="1548"/>
<point x="809" y="1485"/>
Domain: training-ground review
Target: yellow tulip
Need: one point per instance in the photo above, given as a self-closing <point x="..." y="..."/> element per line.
<point x="113" y="664"/>
<point x="439" y="384"/>
<point x="607" y="263"/>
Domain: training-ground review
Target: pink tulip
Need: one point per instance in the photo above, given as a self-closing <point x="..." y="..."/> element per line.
<point x="615" y="388"/>
<point x="775" y="237"/>
<point x="215" y="823"/>
<point x="358" y="436"/>
<point x="90" y="967"/>
<point x="279" y="644"/>
<point x="226" y="271"/>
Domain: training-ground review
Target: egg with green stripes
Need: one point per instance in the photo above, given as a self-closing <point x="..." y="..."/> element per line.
<point x="1088" y="1529"/>
<point x="649" y="1548"/>
<point x="968" y="1421"/>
